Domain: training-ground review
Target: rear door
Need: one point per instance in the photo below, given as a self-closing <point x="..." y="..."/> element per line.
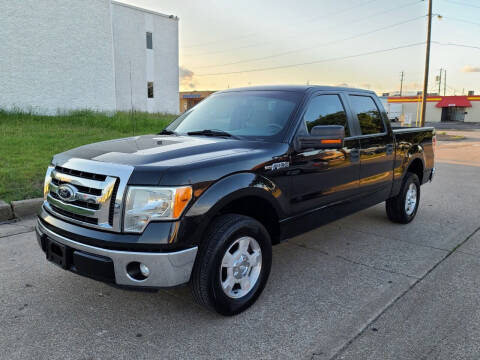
<point x="376" y="146"/>
<point x="324" y="176"/>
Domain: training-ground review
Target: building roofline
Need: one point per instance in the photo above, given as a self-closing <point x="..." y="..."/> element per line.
<point x="171" y="17"/>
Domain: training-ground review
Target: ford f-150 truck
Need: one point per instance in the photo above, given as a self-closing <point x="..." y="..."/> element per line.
<point x="203" y="201"/>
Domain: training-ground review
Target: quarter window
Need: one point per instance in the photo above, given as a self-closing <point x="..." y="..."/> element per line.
<point x="150" y="90"/>
<point x="368" y="115"/>
<point x="326" y="110"/>
<point x="149" y="40"/>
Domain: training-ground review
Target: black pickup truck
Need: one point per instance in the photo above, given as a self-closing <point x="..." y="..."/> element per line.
<point x="204" y="201"/>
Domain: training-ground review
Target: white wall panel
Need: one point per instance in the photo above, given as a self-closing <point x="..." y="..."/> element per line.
<point x="56" y="55"/>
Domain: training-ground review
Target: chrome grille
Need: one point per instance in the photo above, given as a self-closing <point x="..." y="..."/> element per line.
<point x="96" y="191"/>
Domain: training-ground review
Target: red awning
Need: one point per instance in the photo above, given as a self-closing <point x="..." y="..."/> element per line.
<point x="459" y="101"/>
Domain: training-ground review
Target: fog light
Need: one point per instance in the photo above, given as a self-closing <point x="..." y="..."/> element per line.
<point x="144" y="270"/>
<point x="138" y="271"/>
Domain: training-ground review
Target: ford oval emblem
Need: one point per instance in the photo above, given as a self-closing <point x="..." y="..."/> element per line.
<point x="67" y="192"/>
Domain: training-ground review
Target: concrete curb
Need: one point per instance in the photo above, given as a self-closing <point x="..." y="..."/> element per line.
<point x="6" y="212"/>
<point x="25" y="208"/>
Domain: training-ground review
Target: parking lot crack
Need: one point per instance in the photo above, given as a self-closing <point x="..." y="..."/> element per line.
<point x="21" y="231"/>
<point x="376" y="268"/>
<point x="367" y="325"/>
<point x="397" y="239"/>
<point x="303" y="246"/>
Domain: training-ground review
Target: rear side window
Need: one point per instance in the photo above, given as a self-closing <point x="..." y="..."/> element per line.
<point x="368" y="115"/>
<point x="326" y="110"/>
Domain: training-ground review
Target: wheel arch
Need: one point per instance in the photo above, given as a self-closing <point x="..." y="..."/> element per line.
<point x="417" y="167"/>
<point x="243" y="193"/>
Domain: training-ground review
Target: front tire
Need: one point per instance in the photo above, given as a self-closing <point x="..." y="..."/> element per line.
<point x="403" y="207"/>
<point x="233" y="264"/>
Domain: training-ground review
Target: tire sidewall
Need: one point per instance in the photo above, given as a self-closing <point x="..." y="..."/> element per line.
<point x="223" y="303"/>
<point x="411" y="179"/>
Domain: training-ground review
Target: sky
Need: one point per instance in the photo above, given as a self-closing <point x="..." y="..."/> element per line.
<point x="356" y="43"/>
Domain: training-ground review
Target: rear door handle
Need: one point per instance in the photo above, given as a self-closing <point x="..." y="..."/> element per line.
<point x="354" y="155"/>
<point x="389" y="149"/>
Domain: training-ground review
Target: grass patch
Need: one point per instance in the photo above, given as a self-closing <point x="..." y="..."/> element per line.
<point x="28" y="142"/>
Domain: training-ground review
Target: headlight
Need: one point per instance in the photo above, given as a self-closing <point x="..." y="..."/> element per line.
<point x="145" y="204"/>
<point x="48" y="180"/>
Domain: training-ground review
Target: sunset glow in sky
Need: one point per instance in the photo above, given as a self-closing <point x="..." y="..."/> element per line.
<point x="358" y="43"/>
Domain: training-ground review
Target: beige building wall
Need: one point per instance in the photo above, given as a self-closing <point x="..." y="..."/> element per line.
<point x="411" y="109"/>
<point x="473" y="113"/>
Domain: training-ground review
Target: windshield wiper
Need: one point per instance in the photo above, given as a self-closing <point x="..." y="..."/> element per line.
<point x="167" y="132"/>
<point x="212" y="132"/>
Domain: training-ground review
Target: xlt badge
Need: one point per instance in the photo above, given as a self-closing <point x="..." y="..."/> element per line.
<point x="278" y="166"/>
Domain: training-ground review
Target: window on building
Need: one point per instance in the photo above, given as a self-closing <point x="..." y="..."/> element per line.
<point x="150" y="90"/>
<point x="368" y="115"/>
<point x="149" y="40"/>
<point x="326" y="110"/>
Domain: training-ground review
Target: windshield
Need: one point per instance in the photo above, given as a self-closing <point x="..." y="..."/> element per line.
<point x="252" y="114"/>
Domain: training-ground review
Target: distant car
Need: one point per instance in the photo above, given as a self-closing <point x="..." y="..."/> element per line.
<point x="204" y="201"/>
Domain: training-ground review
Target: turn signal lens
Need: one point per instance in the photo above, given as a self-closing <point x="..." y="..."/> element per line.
<point x="332" y="141"/>
<point x="182" y="197"/>
<point x="48" y="180"/>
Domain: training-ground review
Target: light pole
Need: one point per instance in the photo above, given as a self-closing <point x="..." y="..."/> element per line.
<point x="445" y="82"/>
<point x="401" y="82"/>
<point x="427" y="64"/>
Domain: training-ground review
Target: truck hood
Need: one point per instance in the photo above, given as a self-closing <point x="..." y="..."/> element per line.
<point x="154" y="156"/>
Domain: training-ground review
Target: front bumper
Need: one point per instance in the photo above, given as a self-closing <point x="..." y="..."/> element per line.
<point x="166" y="269"/>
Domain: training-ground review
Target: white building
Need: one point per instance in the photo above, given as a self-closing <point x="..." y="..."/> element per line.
<point x="61" y="55"/>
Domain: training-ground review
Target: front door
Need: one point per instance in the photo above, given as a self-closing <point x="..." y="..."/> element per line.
<point x="453" y="113"/>
<point x="325" y="176"/>
<point x="376" y="148"/>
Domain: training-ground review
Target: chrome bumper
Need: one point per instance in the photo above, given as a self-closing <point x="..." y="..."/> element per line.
<point x="166" y="269"/>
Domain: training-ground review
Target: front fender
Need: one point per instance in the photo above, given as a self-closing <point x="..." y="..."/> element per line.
<point x="234" y="187"/>
<point x="221" y="193"/>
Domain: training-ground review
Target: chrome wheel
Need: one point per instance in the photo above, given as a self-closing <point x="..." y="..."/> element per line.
<point x="241" y="266"/>
<point x="411" y="199"/>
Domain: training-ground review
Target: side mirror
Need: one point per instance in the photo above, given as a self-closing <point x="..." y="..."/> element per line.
<point x="322" y="137"/>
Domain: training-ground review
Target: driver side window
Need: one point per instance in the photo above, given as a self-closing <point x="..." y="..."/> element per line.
<point x="326" y="110"/>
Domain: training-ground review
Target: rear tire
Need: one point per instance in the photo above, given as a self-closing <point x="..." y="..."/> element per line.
<point x="233" y="264"/>
<point x="403" y="207"/>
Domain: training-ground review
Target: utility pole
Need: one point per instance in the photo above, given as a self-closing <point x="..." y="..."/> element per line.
<point x="445" y="82"/>
<point x="440" y="82"/>
<point x="401" y="82"/>
<point x="427" y="64"/>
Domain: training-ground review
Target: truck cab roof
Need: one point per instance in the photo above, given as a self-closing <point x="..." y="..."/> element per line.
<point x="297" y="88"/>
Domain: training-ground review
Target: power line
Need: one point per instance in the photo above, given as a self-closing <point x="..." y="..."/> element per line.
<point x="455" y="44"/>
<point x="462" y="4"/>
<point x="361" y="4"/>
<point x="314" y="62"/>
<point x="312" y="46"/>
<point x="303" y="32"/>
<point x="461" y="20"/>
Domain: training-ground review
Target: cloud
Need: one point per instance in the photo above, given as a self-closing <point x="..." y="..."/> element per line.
<point x="413" y="85"/>
<point x="186" y="78"/>
<point x="470" y="69"/>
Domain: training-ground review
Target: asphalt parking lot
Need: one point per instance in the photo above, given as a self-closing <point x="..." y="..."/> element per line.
<point x="359" y="288"/>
